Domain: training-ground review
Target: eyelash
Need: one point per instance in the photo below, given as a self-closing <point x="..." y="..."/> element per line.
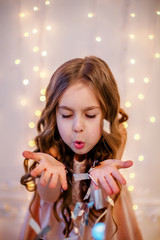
<point x="88" y="116"/>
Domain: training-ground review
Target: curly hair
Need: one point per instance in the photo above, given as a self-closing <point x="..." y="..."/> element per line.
<point x="94" y="71"/>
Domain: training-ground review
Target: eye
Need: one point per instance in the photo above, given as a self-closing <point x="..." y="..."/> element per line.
<point x="90" y="116"/>
<point x="66" y="116"/>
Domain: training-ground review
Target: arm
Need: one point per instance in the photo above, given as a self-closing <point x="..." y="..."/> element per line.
<point x="52" y="175"/>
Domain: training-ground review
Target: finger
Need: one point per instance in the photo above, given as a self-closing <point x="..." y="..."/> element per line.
<point x="45" y="178"/>
<point x="37" y="170"/>
<point x="113" y="185"/>
<point x="53" y="181"/>
<point x="106" y="186"/>
<point x="123" y="164"/>
<point x="31" y="155"/>
<point x="63" y="180"/>
<point x="117" y="175"/>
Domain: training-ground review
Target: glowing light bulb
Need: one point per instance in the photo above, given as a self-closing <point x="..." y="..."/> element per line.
<point x="157" y="55"/>
<point x="49" y="28"/>
<point x="47" y="2"/>
<point x="42" y="98"/>
<point x="152" y="119"/>
<point x="146" y="80"/>
<point x="98" y="39"/>
<point x="141" y="158"/>
<point x="90" y="15"/>
<point x="35" y="30"/>
<point x="131" y="36"/>
<point x="31" y="125"/>
<point x="128" y="104"/>
<point x="31" y="143"/>
<point x="132" y="15"/>
<point x="136" y="136"/>
<point x="151" y="36"/>
<point x="17" y="61"/>
<point x="22" y="15"/>
<point x="35" y="8"/>
<point x="131" y="80"/>
<point x="25" y="81"/>
<point x="43" y="91"/>
<point x="35" y="49"/>
<point x="132" y="175"/>
<point x="130" y="188"/>
<point x="42" y="74"/>
<point x="140" y="96"/>
<point x="26" y="34"/>
<point x="125" y="124"/>
<point x="37" y="113"/>
<point x="44" y="53"/>
<point x="132" y="61"/>
<point x="135" y="207"/>
<point x="35" y="68"/>
<point x="158" y="12"/>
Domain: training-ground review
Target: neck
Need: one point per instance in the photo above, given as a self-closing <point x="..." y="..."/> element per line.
<point x="79" y="158"/>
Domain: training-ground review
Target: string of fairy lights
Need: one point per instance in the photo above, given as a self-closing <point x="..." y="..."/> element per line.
<point x="42" y="74"/>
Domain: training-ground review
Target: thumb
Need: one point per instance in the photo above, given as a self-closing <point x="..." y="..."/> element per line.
<point x="127" y="164"/>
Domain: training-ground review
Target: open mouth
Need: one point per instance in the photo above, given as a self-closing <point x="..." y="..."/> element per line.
<point x="79" y="144"/>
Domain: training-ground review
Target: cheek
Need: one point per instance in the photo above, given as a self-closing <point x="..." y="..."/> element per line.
<point x="62" y="128"/>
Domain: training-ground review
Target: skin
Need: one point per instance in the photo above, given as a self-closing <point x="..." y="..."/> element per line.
<point x="79" y="117"/>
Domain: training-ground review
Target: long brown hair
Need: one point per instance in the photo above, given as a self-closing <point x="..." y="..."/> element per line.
<point x="93" y="71"/>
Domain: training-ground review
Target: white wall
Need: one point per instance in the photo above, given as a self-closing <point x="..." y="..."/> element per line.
<point x="73" y="34"/>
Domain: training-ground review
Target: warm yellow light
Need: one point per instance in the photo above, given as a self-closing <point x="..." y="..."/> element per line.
<point x="131" y="80"/>
<point x="44" y="53"/>
<point x="43" y="91"/>
<point x="31" y="143"/>
<point x="23" y="102"/>
<point x="35" y="68"/>
<point x="135" y="207"/>
<point x="132" y="61"/>
<point x="157" y="55"/>
<point x="130" y="188"/>
<point x="42" y="98"/>
<point x="25" y="81"/>
<point x="132" y="175"/>
<point x="35" y="49"/>
<point x="37" y="113"/>
<point x="42" y="74"/>
<point x="146" y="80"/>
<point x="35" y="30"/>
<point x="90" y="15"/>
<point x="31" y="125"/>
<point x="49" y="28"/>
<point x="47" y="2"/>
<point x="131" y="36"/>
<point x="133" y="15"/>
<point x="35" y="8"/>
<point x="125" y="124"/>
<point x="151" y="36"/>
<point x="136" y="136"/>
<point x="128" y="104"/>
<point x="98" y="39"/>
<point x="158" y="12"/>
<point x="152" y="119"/>
<point x="26" y="34"/>
<point x="140" y="96"/>
<point x="17" y="61"/>
<point x="141" y="158"/>
<point x="22" y="15"/>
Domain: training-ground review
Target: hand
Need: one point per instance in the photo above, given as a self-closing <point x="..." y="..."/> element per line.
<point x="49" y="168"/>
<point x="107" y="174"/>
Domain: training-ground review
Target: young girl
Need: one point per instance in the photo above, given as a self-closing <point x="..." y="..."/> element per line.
<point x="77" y="160"/>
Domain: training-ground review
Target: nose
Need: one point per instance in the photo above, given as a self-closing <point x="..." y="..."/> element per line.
<point x="78" y="125"/>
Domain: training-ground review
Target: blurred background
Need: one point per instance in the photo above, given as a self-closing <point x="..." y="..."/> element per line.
<point x="36" y="37"/>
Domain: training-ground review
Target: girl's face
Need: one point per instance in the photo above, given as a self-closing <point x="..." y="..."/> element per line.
<point x="79" y="118"/>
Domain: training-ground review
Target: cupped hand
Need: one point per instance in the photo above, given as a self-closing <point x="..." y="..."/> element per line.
<point x="49" y="168"/>
<point x="107" y="174"/>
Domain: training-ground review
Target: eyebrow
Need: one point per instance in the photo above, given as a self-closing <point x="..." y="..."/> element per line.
<point x="86" y="109"/>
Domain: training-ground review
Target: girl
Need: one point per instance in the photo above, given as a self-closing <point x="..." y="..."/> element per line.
<point x="77" y="161"/>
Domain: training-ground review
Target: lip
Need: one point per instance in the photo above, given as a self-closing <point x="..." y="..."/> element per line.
<point x="79" y="144"/>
